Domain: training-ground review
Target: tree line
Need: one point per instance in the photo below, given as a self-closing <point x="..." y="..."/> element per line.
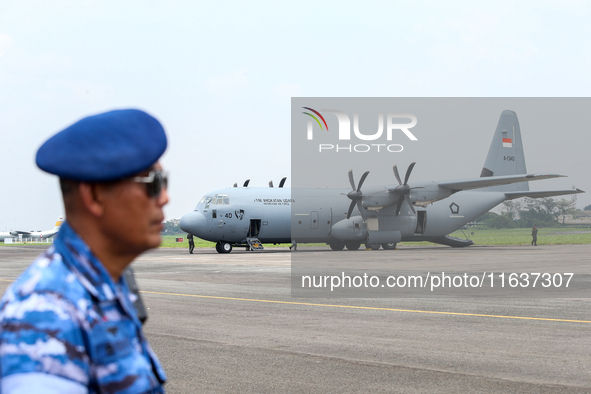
<point x="171" y="227"/>
<point x="525" y="212"/>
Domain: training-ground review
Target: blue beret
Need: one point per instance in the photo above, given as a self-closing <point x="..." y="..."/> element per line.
<point x="104" y="147"/>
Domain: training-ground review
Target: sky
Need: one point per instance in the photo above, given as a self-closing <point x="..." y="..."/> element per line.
<point x="220" y="77"/>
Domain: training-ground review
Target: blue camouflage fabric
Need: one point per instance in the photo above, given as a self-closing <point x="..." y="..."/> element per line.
<point x="67" y="327"/>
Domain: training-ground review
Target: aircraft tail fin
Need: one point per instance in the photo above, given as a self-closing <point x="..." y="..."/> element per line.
<point x="58" y="224"/>
<point x="505" y="156"/>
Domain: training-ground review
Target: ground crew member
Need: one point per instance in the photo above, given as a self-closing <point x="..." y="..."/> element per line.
<point x="191" y="243"/>
<point x="534" y="235"/>
<point x="68" y="324"/>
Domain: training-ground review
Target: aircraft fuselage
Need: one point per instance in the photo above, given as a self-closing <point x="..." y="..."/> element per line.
<point x="278" y="215"/>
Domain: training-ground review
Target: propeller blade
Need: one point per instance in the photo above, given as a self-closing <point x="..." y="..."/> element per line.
<point x="351" y="179"/>
<point x="360" y="206"/>
<point x="270" y="183"/>
<point x="395" y="168"/>
<point x="235" y="184"/>
<point x="351" y="209"/>
<point x="403" y="189"/>
<point x="408" y="171"/>
<point x="409" y="202"/>
<point x="246" y="183"/>
<point x="282" y="181"/>
<point x="399" y="205"/>
<point x="356" y="194"/>
<point x="365" y="174"/>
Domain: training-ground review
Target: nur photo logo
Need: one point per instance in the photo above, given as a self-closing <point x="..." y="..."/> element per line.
<point x="392" y="125"/>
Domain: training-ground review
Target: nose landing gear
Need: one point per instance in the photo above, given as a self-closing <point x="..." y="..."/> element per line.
<point x="223" y="247"/>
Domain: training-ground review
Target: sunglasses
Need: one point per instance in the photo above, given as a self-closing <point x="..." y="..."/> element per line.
<point x="155" y="182"/>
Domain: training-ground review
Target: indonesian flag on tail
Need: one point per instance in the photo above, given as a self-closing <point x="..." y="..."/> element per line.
<point x="507" y="143"/>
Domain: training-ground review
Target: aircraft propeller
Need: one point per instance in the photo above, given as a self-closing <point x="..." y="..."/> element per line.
<point x="356" y="195"/>
<point x="281" y="183"/>
<point x="403" y="188"/>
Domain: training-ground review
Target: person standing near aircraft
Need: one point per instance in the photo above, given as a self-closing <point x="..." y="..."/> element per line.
<point x="534" y="235"/>
<point x="191" y="242"/>
<point x="68" y="324"/>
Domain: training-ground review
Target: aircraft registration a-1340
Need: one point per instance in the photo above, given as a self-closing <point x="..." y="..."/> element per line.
<point x="378" y="216"/>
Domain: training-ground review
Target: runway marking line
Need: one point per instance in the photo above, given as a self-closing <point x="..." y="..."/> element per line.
<point x="368" y="307"/>
<point x="359" y="307"/>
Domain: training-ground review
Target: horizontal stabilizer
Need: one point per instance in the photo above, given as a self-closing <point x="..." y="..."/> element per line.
<point x="542" y="194"/>
<point x="477" y="183"/>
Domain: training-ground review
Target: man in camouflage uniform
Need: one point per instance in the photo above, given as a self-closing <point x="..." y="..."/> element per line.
<point x="68" y="324"/>
<point x="191" y="242"/>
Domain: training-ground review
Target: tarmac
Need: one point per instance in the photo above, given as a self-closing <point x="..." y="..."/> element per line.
<point x="228" y="323"/>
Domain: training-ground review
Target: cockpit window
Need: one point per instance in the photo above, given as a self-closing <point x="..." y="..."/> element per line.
<point x="220" y="199"/>
<point x="205" y="200"/>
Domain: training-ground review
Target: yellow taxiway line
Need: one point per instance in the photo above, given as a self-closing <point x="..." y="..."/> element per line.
<point x="367" y="307"/>
<point x="359" y="307"/>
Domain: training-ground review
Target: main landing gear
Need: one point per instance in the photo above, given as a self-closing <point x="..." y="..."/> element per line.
<point x="386" y="246"/>
<point x="339" y="245"/>
<point x="389" y="246"/>
<point x="351" y="245"/>
<point x="372" y="246"/>
<point x="223" y="247"/>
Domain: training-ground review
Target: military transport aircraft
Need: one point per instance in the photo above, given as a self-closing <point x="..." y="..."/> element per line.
<point x="34" y="234"/>
<point x="5" y="234"/>
<point x="41" y="234"/>
<point x="376" y="216"/>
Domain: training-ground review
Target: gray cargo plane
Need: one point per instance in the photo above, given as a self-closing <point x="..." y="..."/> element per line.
<point x="377" y="216"/>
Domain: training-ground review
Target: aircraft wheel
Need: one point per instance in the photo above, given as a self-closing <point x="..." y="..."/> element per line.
<point x="337" y="245"/>
<point x="372" y="246"/>
<point x="352" y="245"/>
<point x="225" y="247"/>
<point x="389" y="246"/>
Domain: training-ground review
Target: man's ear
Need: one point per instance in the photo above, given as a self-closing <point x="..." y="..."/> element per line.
<point x="91" y="199"/>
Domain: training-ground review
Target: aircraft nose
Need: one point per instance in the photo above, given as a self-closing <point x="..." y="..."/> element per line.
<point x="194" y="223"/>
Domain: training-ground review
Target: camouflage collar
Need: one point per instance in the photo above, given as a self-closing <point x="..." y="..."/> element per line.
<point x="83" y="263"/>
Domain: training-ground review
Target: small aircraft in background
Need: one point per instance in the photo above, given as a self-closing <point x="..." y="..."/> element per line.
<point x="379" y="216"/>
<point x="39" y="234"/>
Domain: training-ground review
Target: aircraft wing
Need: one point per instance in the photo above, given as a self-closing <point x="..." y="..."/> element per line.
<point x="477" y="183"/>
<point x="543" y="193"/>
<point x="22" y="232"/>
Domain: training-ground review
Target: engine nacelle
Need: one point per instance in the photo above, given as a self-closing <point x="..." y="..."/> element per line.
<point x="355" y="229"/>
<point x="427" y="193"/>
<point x="352" y="229"/>
<point x="421" y="194"/>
